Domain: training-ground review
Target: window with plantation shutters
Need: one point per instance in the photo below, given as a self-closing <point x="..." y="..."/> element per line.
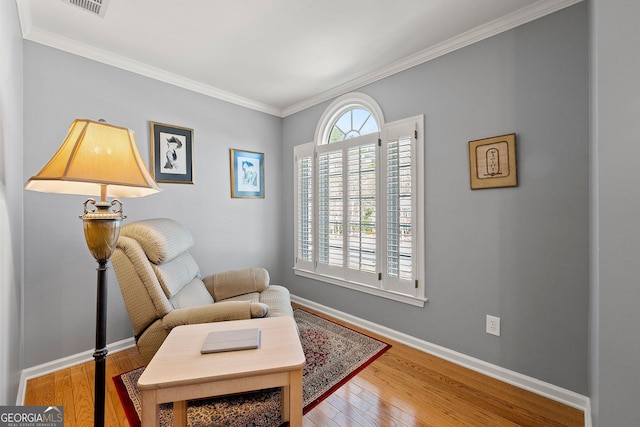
<point x="359" y="204"/>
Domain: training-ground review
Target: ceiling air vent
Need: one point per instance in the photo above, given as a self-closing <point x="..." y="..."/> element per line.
<point x="97" y="7"/>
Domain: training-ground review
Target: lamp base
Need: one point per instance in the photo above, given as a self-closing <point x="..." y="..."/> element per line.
<point x="101" y="231"/>
<point x="102" y="227"/>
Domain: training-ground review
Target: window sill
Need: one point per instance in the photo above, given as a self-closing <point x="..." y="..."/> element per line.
<point x="407" y="299"/>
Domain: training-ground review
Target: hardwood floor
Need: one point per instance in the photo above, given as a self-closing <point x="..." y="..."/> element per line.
<point x="404" y="387"/>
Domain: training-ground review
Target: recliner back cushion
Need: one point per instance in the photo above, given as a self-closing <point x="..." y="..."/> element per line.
<point x="193" y="294"/>
<point x="177" y="273"/>
<point x="162" y="239"/>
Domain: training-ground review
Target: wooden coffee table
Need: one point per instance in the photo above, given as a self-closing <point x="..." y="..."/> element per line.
<point x="178" y="372"/>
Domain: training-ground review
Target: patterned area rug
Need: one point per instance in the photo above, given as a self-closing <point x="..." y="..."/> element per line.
<point x="334" y="355"/>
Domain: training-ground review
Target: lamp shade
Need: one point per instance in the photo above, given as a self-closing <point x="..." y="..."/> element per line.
<point x="93" y="157"/>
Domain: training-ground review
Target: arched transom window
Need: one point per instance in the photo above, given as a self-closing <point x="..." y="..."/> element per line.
<point x="355" y="122"/>
<point x="350" y="116"/>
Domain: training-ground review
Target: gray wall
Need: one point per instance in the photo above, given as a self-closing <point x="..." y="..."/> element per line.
<point x="517" y="253"/>
<point x="11" y="180"/>
<point x="615" y="375"/>
<point x="230" y="233"/>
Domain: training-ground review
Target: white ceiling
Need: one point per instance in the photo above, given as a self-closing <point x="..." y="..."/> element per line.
<point x="276" y="56"/>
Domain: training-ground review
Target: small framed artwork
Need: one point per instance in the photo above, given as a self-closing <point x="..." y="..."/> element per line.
<point x="492" y="162"/>
<point x="171" y="153"/>
<point x="247" y="174"/>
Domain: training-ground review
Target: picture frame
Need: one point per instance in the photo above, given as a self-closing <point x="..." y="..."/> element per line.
<point x="171" y="153"/>
<point x="492" y="162"/>
<point x="247" y="174"/>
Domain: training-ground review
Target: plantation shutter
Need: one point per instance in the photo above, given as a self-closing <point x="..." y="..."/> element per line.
<point x="330" y="209"/>
<point x="399" y="147"/>
<point x="362" y="197"/>
<point x="304" y="206"/>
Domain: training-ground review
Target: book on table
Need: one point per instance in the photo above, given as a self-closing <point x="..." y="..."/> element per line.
<point x="231" y="340"/>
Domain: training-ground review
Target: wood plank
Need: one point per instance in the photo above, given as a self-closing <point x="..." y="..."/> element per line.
<point x="31" y="388"/>
<point x="64" y="395"/>
<point x="46" y="392"/>
<point x="322" y="415"/>
<point x="82" y="384"/>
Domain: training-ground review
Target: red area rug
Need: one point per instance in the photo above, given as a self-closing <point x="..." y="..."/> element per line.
<point x="334" y="355"/>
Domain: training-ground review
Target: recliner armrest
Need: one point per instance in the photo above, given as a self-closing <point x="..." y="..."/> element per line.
<point x="236" y="282"/>
<point x="217" y="312"/>
<point x="258" y="309"/>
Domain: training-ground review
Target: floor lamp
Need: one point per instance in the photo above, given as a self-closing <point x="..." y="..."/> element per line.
<point x="98" y="159"/>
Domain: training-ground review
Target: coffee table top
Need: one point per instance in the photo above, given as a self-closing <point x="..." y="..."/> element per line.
<point x="179" y="362"/>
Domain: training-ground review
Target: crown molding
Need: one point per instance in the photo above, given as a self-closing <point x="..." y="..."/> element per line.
<point x="497" y="26"/>
<point x="105" y="57"/>
<point x="522" y="16"/>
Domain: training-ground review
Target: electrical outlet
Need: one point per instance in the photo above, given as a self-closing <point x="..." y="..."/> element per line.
<point x="493" y="325"/>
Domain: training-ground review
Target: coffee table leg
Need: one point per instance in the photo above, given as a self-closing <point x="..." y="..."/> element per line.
<point x="180" y="413"/>
<point x="150" y="409"/>
<point x="295" y="398"/>
<point x="285" y="400"/>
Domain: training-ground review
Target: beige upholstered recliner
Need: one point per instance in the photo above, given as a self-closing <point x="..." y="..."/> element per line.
<point x="162" y="286"/>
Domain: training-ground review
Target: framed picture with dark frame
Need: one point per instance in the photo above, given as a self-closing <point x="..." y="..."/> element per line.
<point x="492" y="162"/>
<point x="171" y="153"/>
<point x="247" y="174"/>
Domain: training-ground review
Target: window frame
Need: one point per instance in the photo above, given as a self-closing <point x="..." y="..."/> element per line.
<point x="383" y="288"/>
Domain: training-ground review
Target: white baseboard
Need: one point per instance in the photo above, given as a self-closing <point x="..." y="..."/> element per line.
<point x="65" y="362"/>
<point x="525" y="382"/>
